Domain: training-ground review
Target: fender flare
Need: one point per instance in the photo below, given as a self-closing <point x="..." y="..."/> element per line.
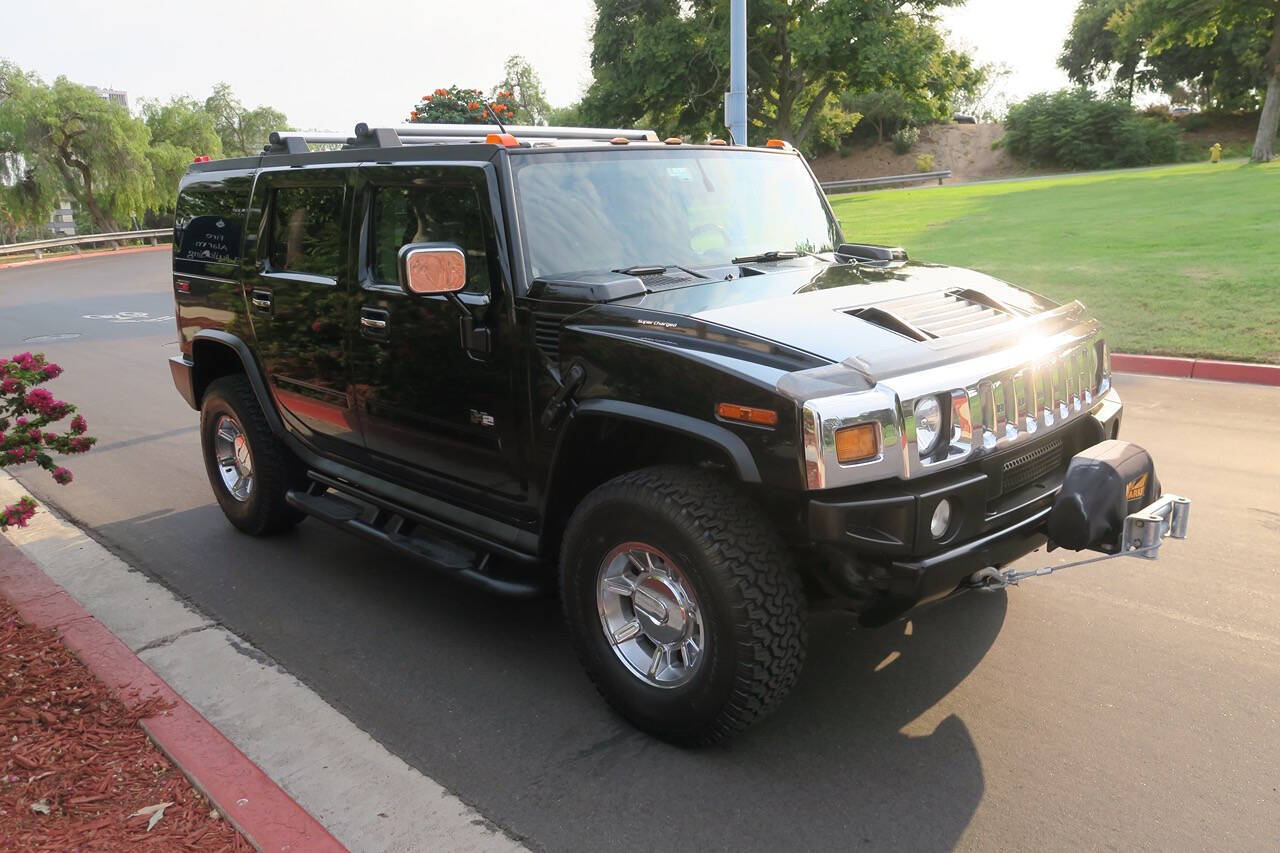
<point x="252" y="371"/>
<point x="730" y="443"/>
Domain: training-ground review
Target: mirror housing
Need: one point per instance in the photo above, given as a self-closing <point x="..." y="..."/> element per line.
<point x="427" y="268"/>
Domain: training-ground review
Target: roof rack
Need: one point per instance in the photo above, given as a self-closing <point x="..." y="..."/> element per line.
<point x="299" y="141"/>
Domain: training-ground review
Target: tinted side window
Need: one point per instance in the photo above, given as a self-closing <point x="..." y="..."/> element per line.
<point x="306" y="230"/>
<point x="442" y="213"/>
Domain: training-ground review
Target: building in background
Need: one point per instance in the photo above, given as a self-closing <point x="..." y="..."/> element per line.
<point x="115" y="96"/>
<point x="63" y="222"/>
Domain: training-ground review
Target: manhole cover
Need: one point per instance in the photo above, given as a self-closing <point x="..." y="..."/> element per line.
<point x="44" y="339"/>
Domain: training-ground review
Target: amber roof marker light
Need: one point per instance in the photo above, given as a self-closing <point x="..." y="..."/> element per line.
<point x="747" y="414"/>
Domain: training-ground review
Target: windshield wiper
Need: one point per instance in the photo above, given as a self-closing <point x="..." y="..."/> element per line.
<point x="768" y="256"/>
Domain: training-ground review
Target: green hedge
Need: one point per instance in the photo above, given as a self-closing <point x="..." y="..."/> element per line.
<point x="1074" y="129"/>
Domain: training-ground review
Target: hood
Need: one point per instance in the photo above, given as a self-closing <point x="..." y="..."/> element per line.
<point x="880" y="321"/>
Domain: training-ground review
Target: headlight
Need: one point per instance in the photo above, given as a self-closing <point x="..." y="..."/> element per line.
<point x="928" y="425"/>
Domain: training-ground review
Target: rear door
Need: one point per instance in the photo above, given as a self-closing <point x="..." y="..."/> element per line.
<point x="298" y="288"/>
<point x="438" y="414"/>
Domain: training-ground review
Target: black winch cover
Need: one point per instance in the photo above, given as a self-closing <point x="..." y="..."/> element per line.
<point x="1103" y="484"/>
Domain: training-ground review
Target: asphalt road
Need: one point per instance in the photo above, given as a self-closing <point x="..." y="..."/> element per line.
<point x="1129" y="705"/>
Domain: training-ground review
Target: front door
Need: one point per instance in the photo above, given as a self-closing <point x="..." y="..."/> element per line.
<point x="437" y="413"/>
<point x="299" y="291"/>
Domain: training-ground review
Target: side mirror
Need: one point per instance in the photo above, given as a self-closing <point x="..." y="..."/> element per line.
<point x="432" y="268"/>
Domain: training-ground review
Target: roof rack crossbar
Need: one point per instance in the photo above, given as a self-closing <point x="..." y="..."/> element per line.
<point x="296" y="141"/>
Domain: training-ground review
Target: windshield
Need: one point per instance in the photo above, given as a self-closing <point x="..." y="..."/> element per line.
<point x="617" y="209"/>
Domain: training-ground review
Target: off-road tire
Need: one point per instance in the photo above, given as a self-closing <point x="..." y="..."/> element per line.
<point x="276" y="469"/>
<point x="747" y="589"/>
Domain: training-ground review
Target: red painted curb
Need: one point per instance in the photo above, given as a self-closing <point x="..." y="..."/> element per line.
<point x="263" y="813"/>
<point x="84" y="256"/>
<point x="1197" y="368"/>
<point x="1235" y="371"/>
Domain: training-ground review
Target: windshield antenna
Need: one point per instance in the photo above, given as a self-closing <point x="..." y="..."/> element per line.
<point x="494" y="113"/>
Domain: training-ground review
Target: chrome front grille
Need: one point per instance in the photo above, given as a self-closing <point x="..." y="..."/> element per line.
<point x="999" y="408"/>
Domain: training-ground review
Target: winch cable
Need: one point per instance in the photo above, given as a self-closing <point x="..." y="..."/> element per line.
<point x="991" y="579"/>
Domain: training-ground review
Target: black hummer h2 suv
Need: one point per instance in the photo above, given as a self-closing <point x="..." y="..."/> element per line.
<point x="653" y="374"/>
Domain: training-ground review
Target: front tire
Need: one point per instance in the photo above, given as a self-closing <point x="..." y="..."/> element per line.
<point x="683" y="604"/>
<point x="249" y="468"/>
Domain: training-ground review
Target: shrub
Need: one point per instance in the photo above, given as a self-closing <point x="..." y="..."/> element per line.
<point x="456" y="105"/>
<point x="1074" y="129"/>
<point x="924" y="163"/>
<point x="25" y="413"/>
<point x="905" y="138"/>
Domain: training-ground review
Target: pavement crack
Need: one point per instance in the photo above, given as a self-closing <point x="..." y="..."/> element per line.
<point x="170" y="638"/>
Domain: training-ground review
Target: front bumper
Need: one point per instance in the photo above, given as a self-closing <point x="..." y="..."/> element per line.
<point x="882" y="553"/>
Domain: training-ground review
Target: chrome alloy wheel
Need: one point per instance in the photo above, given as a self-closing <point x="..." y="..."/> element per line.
<point x="235" y="462"/>
<point x="650" y="616"/>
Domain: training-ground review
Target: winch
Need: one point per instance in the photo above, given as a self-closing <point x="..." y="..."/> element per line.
<point x="1111" y="502"/>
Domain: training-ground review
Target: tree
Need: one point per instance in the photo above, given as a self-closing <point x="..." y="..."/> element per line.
<point x="181" y="130"/>
<point x="69" y="140"/>
<point x="1226" y="50"/>
<point x="521" y="83"/>
<point x="665" y="62"/>
<point x="456" y="105"/>
<point x="243" y="131"/>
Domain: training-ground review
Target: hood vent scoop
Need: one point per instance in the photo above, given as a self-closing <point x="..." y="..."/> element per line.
<point x="937" y="315"/>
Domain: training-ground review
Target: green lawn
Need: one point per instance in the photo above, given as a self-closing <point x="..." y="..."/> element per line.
<point x="1178" y="260"/>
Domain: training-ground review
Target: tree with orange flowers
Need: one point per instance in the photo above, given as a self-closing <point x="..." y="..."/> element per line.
<point x="456" y="105"/>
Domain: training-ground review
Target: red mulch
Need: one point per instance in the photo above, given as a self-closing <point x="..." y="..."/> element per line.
<point x="68" y="745"/>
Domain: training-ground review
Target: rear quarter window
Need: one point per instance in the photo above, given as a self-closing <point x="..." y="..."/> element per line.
<point x="209" y="226"/>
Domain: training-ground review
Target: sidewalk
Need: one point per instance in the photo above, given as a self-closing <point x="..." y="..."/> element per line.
<point x="277" y="760"/>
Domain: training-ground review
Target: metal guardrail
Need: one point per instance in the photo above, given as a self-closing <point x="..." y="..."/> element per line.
<point x="38" y="247"/>
<point x="859" y="183"/>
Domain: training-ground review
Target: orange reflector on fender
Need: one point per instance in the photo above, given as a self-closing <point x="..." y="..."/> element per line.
<point x="857" y="443"/>
<point x="747" y="414"/>
<point x="506" y="140"/>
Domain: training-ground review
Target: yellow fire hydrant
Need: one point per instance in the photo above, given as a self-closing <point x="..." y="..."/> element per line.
<point x="1215" y="152"/>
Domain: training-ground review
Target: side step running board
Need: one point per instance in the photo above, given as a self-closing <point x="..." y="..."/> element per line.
<point x="389" y="528"/>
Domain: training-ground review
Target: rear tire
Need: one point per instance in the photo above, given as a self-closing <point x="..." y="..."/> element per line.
<point x="683" y="603"/>
<point x="249" y="468"/>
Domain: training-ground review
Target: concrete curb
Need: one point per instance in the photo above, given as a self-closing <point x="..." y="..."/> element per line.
<point x="1197" y="368"/>
<point x="73" y="256"/>
<point x="268" y="817"/>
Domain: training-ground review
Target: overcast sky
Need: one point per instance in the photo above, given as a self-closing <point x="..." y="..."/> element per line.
<point x="330" y="64"/>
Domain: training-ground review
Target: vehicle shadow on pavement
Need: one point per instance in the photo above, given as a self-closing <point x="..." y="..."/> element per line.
<point x="485" y="695"/>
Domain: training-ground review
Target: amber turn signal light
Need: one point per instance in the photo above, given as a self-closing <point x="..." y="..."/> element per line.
<point x="857" y="443"/>
<point x="747" y="414"/>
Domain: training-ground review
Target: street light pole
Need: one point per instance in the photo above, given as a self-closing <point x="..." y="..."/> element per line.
<point x="735" y="100"/>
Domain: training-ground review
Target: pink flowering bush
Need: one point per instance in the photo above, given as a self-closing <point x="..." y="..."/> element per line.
<point x="26" y="413"/>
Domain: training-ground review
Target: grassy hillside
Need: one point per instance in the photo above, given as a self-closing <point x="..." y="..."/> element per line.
<point x="1176" y="260"/>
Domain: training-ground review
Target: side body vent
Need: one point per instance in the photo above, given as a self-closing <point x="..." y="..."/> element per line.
<point x="936" y="315"/>
<point x="546" y="335"/>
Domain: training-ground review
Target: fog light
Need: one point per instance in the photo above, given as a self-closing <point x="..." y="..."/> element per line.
<point x="941" y="519"/>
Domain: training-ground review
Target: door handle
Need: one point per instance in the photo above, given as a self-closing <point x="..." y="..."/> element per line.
<point x="374" y="323"/>
<point x="261" y="299"/>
